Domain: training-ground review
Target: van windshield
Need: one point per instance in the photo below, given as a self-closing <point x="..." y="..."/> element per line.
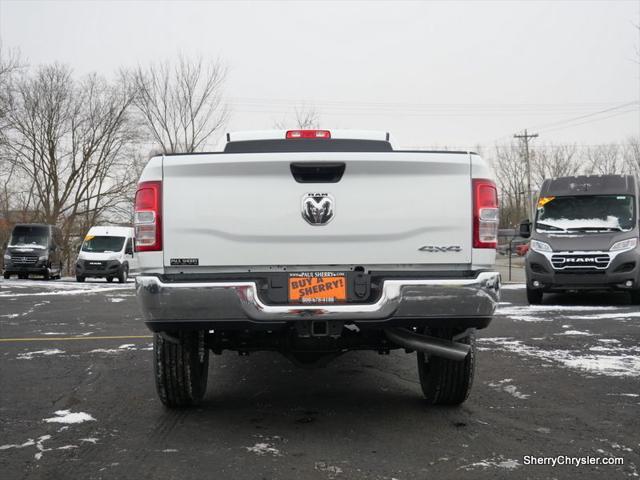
<point x="586" y="213"/>
<point x="30" y="236"/>
<point x="102" y="244"/>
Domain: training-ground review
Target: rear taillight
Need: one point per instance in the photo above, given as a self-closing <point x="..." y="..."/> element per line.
<point x="148" y="217"/>
<point x="291" y="134"/>
<point x="485" y="214"/>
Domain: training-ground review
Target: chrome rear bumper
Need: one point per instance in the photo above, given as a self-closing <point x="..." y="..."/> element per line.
<point x="228" y="301"/>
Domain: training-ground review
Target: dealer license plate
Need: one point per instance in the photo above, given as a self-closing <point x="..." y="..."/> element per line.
<point x="317" y="287"/>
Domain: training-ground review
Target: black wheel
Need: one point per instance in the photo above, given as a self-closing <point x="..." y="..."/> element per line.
<point x="79" y="278"/>
<point x="109" y="279"/>
<point x="181" y="365"/>
<point x="635" y="296"/>
<point x="534" y="296"/>
<point x="47" y="274"/>
<point x="6" y="276"/>
<point x="124" y="274"/>
<point x="443" y="381"/>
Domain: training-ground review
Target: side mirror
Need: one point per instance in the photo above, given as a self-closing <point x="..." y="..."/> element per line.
<point x="79" y="248"/>
<point x="128" y="251"/>
<point x="525" y="228"/>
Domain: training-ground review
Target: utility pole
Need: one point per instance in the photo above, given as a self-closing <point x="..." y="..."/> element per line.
<point x="525" y="137"/>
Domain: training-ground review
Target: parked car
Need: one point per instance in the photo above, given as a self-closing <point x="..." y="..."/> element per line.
<point x="107" y="252"/>
<point x="584" y="236"/>
<point x="313" y="243"/>
<point x="34" y="249"/>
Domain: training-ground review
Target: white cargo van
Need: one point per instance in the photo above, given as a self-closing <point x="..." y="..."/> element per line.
<point x="107" y="252"/>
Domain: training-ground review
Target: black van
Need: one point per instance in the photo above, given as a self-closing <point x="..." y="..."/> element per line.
<point x="585" y="236"/>
<point x="34" y="248"/>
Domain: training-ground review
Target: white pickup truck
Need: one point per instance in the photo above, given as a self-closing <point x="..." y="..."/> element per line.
<point x="313" y="243"/>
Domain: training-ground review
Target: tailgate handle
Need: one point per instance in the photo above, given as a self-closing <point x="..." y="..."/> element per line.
<point x="310" y="172"/>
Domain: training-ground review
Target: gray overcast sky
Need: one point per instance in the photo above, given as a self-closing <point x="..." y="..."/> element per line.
<point x="433" y="73"/>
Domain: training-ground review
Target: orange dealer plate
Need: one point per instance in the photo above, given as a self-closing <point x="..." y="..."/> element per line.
<point x="317" y="287"/>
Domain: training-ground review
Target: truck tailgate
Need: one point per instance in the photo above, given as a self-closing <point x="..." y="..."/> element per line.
<point x="245" y="210"/>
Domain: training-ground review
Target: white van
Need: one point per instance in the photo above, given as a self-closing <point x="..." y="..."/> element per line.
<point x="107" y="252"/>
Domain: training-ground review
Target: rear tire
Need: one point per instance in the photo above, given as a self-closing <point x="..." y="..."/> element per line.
<point x="109" y="279"/>
<point x="6" y="276"/>
<point x="443" y="381"/>
<point x="79" y="278"/>
<point x="181" y="366"/>
<point x="534" y="296"/>
<point x="635" y="297"/>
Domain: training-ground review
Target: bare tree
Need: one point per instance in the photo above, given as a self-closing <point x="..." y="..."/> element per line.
<point x="511" y="178"/>
<point x="605" y="160"/>
<point x="550" y="161"/>
<point x="631" y="155"/>
<point x="70" y="143"/>
<point x="306" y="117"/>
<point x="181" y="102"/>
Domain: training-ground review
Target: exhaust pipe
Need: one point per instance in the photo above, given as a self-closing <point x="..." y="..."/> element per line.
<point x="431" y="345"/>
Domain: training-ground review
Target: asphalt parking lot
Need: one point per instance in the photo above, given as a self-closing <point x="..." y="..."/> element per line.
<point x="77" y="399"/>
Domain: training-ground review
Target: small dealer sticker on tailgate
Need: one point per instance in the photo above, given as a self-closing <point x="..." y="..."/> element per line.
<point x="317" y="287"/>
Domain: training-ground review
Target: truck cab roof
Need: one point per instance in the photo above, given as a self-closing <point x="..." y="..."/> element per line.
<point x="110" y="230"/>
<point x="589" y="185"/>
<point x="301" y="140"/>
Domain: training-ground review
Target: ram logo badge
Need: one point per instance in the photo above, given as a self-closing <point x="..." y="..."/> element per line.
<point x="318" y="208"/>
<point x="441" y="248"/>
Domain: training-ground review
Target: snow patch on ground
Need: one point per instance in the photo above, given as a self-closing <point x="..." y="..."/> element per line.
<point x="507" y="386"/>
<point x="127" y="347"/>
<point x="28" y="443"/>
<point x="68" y="417"/>
<point x="512" y="286"/>
<point x="44" y="353"/>
<point x="495" y="462"/>
<point x="332" y="471"/>
<point x="525" y="309"/>
<point x="116" y="299"/>
<point x="264" y="448"/>
<point x="530" y="313"/>
<point x="626" y="363"/>
<point x="59" y="289"/>
<point x="574" y="333"/>
<point x="605" y="316"/>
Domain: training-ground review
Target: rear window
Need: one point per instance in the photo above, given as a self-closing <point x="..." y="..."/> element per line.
<point x="308" y="145"/>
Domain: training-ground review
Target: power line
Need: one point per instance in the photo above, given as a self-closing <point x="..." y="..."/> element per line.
<point x="569" y="120"/>
<point x="591" y="121"/>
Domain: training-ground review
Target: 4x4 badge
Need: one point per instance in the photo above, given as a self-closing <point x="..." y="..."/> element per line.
<point x="318" y="208"/>
<point x="441" y="248"/>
